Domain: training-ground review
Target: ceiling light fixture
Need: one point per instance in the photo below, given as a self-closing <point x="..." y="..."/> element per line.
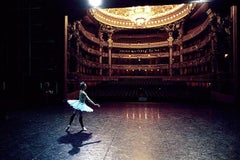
<point x="140" y="15"/>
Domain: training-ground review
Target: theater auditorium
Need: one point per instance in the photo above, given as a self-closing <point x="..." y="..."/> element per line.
<point x="164" y="73"/>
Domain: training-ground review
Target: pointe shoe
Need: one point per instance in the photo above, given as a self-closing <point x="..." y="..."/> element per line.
<point x="84" y="128"/>
<point x="67" y="128"/>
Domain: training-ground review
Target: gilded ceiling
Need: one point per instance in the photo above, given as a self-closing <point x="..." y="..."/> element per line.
<point x="141" y="16"/>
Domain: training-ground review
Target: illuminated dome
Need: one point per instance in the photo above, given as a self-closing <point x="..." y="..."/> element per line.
<point x="141" y="16"/>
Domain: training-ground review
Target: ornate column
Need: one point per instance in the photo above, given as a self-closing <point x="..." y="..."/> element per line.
<point x="110" y="41"/>
<point x="170" y="28"/>
<point x="100" y="59"/>
<point x="214" y="65"/>
<point x="100" y="50"/>
<point x="78" y="54"/>
<point x="65" y="65"/>
<point x="180" y="31"/>
<point x="213" y="45"/>
<point x="170" y="45"/>
<point x="235" y="52"/>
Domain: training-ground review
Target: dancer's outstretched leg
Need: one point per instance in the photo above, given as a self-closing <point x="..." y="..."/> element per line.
<point x="81" y="121"/>
<point x="71" y="120"/>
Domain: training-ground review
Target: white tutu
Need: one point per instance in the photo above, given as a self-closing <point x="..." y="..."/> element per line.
<point x="76" y="104"/>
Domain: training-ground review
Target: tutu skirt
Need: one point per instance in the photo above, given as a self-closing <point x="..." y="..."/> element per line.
<point x="76" y="104"/>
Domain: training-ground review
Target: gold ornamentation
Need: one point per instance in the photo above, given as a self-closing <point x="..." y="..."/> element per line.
<point x="141" y="16"/>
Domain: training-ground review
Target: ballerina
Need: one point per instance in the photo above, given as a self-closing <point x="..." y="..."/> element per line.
<point x="80" y="106"/>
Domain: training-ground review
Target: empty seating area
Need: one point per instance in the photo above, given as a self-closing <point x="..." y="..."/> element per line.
<point x="147" y="90"/>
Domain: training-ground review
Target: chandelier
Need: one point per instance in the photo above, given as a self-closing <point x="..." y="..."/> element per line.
<point x="140" y="15"/>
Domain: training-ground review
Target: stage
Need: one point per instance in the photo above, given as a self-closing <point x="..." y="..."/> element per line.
<point x="122" y="131"/>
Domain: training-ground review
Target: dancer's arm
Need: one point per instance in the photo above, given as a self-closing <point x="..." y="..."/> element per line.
<point x="95" y="104"/>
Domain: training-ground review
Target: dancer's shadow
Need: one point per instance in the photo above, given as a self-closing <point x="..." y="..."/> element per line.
<point x="76" y="140"/>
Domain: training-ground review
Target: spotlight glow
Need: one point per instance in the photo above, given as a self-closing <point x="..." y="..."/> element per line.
<point x="95" y="3"/>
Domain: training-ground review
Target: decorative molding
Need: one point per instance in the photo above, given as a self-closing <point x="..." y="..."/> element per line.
<point x="142" y="16"/>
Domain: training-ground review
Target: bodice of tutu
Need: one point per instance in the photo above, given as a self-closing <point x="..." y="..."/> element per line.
<point x="82" y="96"/>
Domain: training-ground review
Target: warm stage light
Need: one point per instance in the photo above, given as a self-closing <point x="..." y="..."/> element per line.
<point x="95" y="3"/>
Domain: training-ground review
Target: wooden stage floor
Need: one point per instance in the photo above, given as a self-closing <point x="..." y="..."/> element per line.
<point x="122" y="131"/>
